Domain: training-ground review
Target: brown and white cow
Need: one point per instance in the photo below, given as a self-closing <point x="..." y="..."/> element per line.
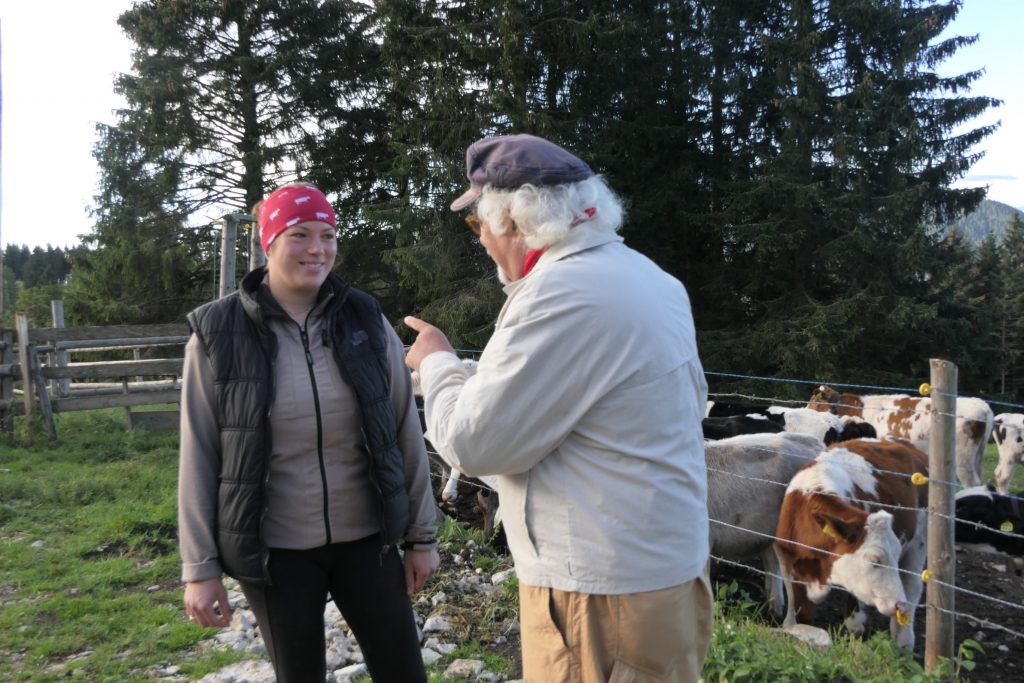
<point x="747" y="479"/>
<point x="854" y="519"/>
<point x="910" y="418"/>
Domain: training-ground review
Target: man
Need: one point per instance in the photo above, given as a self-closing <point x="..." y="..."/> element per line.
<point x="587" y="402"/>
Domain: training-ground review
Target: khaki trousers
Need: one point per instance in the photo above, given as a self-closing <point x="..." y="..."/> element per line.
<point x="633" y="638"/>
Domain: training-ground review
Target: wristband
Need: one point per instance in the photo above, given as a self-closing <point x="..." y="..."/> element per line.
<point x="428" y="544"/>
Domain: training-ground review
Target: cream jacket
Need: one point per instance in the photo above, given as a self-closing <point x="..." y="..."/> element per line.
<point x="587" y="403"/>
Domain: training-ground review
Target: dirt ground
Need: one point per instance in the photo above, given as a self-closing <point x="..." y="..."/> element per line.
<point x="994" y="575"/>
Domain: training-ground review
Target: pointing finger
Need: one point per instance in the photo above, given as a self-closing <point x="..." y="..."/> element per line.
<point x="415" y="323"/>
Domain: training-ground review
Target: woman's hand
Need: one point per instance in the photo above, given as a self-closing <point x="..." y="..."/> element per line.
<point x="206" y="603"/>
<point x="420" y="565"/>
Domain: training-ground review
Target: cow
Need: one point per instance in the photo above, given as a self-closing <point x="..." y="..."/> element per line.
<point x="487" y="486"/>
<point x="856" y="428"/>
<point x="984" y="516"/>
<point x="450" y="492"/>
<point x="747" y="479"/>
<point x="1008" y="431"/>
<point x="729" y="409"/>
<point x="735" y="425"/>
<point x="828" y="427"/>
<point x="910" y="418"/>
<point x="836" y="529"/>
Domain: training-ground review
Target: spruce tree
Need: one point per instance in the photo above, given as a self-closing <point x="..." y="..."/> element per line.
<point x="1012" y="249"/>
<point x="828" y="250"/>
<point x="225" y="100"/>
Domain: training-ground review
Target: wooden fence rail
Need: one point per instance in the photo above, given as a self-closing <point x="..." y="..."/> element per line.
<point x="53" y="383"/>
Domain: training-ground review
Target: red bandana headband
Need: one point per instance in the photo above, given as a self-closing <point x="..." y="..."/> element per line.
<point x="289" y="205"/>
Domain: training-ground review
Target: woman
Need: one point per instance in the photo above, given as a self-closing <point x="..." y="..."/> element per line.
<point x="302" y="456"/>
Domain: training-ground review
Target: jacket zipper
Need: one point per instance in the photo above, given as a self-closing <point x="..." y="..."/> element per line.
<point x="319" y="430"/>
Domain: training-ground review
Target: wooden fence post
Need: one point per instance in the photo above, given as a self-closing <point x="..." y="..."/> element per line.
<point x="45" y="407"/>
<point x="60" y="357"/>
<point x="257" y="257"/>
<point x="939" y="629"/>
<point x="21" y="325"/>
<point x="6" y="380"/>
<point x="229" y="232"/>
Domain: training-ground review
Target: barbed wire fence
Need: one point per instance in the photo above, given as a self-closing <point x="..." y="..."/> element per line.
<point x="930" y="577"/>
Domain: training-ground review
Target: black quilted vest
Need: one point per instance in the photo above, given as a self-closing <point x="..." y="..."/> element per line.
<point x="242" y="349"/>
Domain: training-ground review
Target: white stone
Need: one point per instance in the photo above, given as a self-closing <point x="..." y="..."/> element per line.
<point x="809" y="634"/>
<point x="464" y="668"/>
<point x="502" y="576"/>
<point x="435" y="623"/>
<point x="429" y="656"/>
<point x="346" y="674"/>
<point x="237" y="599"/>
<point x="438" y="646"/>
<point x="251" y="671"/>
<point x="332" y="615"/>
<point x="233" y="639"/>
<point x="243" y="620"/>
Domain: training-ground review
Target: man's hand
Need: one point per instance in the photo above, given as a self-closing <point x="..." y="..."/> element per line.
<point x="428" y="340"/>
<point x="420" y="565"/>
<point x="206" y="603"/>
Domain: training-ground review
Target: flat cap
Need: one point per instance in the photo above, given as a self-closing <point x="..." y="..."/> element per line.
<point x="509" y="161"/>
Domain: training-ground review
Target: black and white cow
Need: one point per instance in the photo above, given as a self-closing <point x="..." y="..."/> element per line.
<point x="1008" y="432"/>
<point x="734" y="425"/>
<point x="984" y="516"/>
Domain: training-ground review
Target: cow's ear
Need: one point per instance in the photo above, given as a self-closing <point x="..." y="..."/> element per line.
<point x="1000" y="434"/>
<point x="837" y="529"/>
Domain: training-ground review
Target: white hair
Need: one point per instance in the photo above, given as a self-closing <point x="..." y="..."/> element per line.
<point x="546" y="214"/>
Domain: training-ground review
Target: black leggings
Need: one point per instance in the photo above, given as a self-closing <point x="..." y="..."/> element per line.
<point x="370" y="595"/>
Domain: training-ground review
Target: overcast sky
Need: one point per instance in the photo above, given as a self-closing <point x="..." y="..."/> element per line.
<point x="59" y="58"/>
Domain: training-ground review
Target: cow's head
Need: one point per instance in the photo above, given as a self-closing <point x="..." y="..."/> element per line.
<point x="870" y="571"/>
<point x="1008" y="432"/>
<point x="857" y="428"/>
<point x="824" y="399"/>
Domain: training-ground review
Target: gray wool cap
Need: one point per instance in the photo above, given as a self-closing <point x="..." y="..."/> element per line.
<point x="509" y="161"/>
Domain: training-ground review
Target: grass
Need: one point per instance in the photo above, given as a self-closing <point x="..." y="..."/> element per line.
<point x="743" y="648"/>
<point x="89" y="575"/>
<point x="88" y="554"/>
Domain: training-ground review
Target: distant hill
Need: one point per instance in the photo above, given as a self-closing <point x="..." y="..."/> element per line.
<point x="989" y="217"/>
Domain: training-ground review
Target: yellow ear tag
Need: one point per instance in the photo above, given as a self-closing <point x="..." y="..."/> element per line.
<point x="902" y="618"/>
<point x="925" y="389"/>
<point x="829" y="531"/>
<point x="918" y="479"/>
<point x="1006" y="527"/>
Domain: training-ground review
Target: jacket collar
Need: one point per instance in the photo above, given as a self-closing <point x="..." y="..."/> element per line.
<point x="260" y="304"/>
<point x="577" y="241"/>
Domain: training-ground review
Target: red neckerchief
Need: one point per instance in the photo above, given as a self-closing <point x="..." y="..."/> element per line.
<point x="533" y="255"/>
<point x="531" y="259"/>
